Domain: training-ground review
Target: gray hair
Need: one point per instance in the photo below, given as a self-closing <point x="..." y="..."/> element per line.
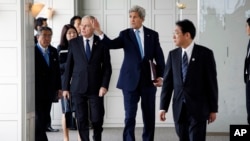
<point x="140" y="10"/>
<point x="88" y="17"/>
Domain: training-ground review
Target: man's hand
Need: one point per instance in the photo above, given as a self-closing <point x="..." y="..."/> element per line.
<point x="162" y="114"/>
<point x="96" y="26"/>
<point x="211" y="118"/>
<point x="65" y="94"/>
<point x="158" y="82"/>
<point x="102" y="91"/>
<point x="59" y="94"/>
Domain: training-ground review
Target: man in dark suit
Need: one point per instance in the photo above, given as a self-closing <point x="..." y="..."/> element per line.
<point x="47" y="81"/>
<point x="87" y="76"/>
<point x="135" y="78"/>
<point x="247" y="72"/>
<point x="191" y="74"/>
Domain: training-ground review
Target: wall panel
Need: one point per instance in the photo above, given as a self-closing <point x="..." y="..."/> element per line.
<point x="9" y="99"/>
<point x="6" y="17"/>
<point x="10" y="132"/>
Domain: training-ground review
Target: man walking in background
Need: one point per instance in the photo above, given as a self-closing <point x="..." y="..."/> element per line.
<point x="47" y="81"/>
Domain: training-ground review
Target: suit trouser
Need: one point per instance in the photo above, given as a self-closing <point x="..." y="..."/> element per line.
<point x="42" y="109"/>
<point x="248" y="100"/>
<point x="85" y="105"/>
<point x="131" y="99"/>
<point x="190" y="129"/>
<point x="48" y="117"/>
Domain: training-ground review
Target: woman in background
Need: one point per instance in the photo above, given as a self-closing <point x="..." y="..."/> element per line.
<point x="68" y="32"/>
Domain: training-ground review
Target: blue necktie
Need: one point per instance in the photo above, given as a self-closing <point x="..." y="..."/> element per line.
<point x="184" y="66"/>
<point x="46" y="56"/>
<point x="139" y="41"/>
<point x="88" y="53"/>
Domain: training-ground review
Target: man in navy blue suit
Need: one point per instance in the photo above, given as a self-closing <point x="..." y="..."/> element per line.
<point x="87" y="75"/>
<point x="140" y="44"/>
<point x="190" y="76"/>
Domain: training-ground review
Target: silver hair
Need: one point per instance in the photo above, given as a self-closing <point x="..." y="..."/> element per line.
<point x="140" y="10"/>
<point x="88" y="17"/>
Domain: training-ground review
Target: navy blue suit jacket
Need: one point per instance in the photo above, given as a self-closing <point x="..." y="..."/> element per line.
<point x="134" y="69"/>
<point x="200" y="90"/>
<point x="80" y="74"/>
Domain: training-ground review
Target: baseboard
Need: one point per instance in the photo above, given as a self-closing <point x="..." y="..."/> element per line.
<point x="217" y="133"/>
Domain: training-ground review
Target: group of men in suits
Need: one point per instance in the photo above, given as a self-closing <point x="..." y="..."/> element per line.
<point x="88" y="71"/>
<point x="195" y="93"/>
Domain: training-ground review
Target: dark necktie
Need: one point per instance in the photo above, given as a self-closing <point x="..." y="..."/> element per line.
<point x="46" y="56"/>
<point x="139" y="41"/>
<point x="184" y="66"/>
<point x="88" y="53"/>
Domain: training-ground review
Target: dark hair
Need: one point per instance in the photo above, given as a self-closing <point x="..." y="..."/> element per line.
<point x="63" y="40"/>
<point x="72" y="20"/>
<point x="44" y="28"/>
<point x="248" y="21"/>
<point x="39" y="22"/>
<point x="187" y="26"/>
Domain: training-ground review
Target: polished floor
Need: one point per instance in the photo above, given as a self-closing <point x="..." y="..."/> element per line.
<point x="115" y="134"/>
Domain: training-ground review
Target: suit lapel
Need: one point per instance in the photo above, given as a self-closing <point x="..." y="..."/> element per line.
<point x="40" y="57"/>
<point x="193" y="59"/>
<point x="146" y="40"/>
<point x="81" y="43"/>
<point x="178" y="56"/>
<point x="95" y="45"/>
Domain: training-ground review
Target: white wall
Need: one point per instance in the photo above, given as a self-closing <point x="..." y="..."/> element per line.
<point x="223" y="29"/>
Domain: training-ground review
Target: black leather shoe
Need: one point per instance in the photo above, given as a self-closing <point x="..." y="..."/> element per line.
<point x="50" y="129"/>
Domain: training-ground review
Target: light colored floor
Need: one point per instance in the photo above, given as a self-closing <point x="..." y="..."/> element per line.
<point x="115" y="134"/>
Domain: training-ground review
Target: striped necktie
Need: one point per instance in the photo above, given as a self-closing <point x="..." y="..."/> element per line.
<point x="184" y="66"/>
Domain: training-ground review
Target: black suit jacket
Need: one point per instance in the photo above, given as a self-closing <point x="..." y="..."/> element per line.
<point x="200" y="90"/>
<point x="83" y="74"/>
<point x="134" y="69"/>
<point x="47" y="78"/>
